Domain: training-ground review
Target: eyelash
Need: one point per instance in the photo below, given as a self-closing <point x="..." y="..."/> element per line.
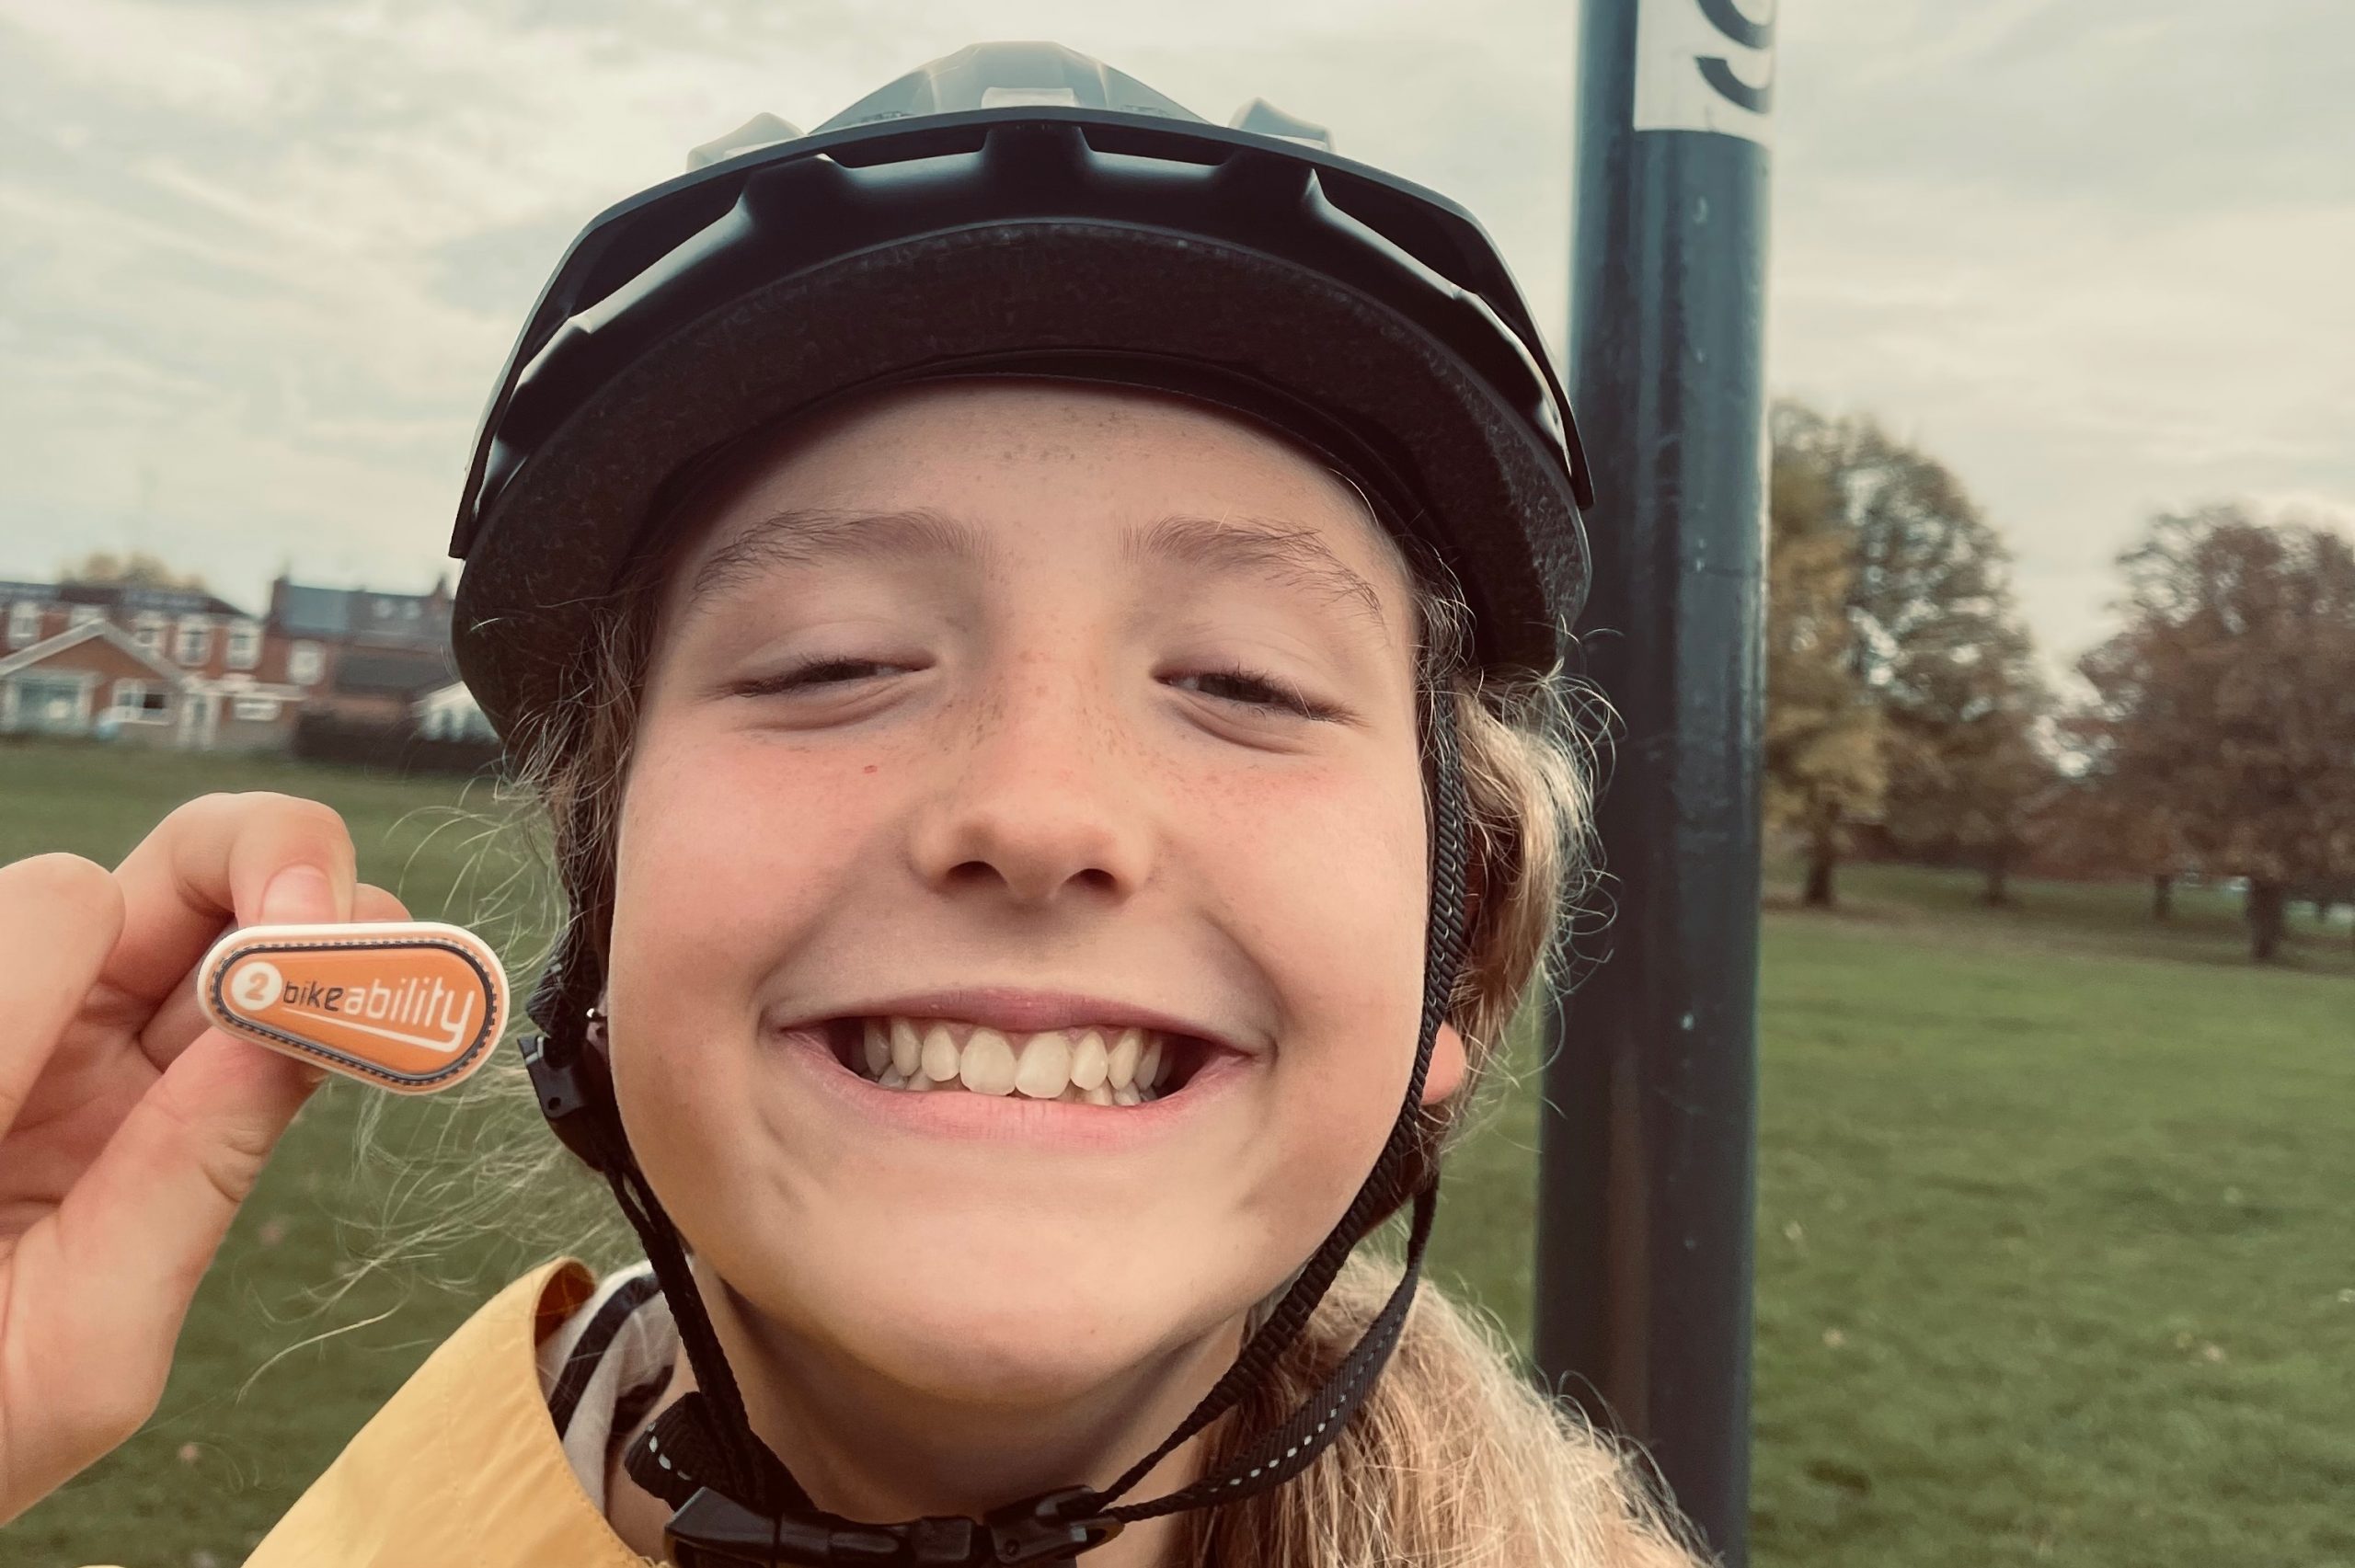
<point x="1264" y="692"/>
<point x="1268" y="693"/>
<point x="819" y="672"/>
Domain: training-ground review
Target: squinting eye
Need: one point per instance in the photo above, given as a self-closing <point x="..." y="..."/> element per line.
<point x="822" y="672"/>
<point x="1248" y="689"/>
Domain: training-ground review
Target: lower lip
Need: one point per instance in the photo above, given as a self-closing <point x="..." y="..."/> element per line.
<point x="1003" y="1118"/>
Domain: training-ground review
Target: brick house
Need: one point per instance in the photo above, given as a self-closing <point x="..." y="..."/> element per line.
<point x="95" y="678"/>
<point x="236" y="681"/>
<point x="374" y="654"/>
<point x="240" y="683"/>
<point x="375" y="687"/>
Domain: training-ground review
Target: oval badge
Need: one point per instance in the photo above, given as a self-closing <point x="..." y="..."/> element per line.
<point x="413" y="1006"/>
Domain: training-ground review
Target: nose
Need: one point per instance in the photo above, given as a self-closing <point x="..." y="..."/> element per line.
<point x="1041" y="804"/>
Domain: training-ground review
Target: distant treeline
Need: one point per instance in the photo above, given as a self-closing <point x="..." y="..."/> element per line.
<point x="1905" y="711"/>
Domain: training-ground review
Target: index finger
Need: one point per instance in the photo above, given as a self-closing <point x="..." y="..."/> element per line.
<point x="58" y="919"/>
<point x="217" y="860"/>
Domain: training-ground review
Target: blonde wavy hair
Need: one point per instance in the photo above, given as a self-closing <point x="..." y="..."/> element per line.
<point x="1454" y="1459"/>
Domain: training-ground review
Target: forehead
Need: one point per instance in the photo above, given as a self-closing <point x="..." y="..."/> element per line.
<point x="1053" y="461"/>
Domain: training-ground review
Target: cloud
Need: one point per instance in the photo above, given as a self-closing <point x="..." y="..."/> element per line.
<point x="260" y="261"/>
<point x="2092" y="254"/>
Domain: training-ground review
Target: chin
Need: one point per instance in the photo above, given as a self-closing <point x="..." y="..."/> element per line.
<point x="1032" y="1360"/>
<point x="1003" y="1320"/>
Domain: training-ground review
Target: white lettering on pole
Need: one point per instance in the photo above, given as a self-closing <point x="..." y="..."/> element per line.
<point x="1706" y="66"/>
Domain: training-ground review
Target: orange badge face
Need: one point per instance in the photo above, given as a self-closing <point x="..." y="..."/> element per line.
<point x="413" y="1007"/>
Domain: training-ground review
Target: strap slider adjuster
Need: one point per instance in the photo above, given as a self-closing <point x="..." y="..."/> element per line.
<point x="1052" y="1526"/>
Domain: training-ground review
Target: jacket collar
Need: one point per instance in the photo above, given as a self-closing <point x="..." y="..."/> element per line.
<point x="462" y="1465"/>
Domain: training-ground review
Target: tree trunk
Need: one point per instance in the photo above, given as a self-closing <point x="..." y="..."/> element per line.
<point x="2162" y="895"/>
<point x="1822" y="859"/>
<point x="2269" y="903"/>
<point x="1999" y="881"/>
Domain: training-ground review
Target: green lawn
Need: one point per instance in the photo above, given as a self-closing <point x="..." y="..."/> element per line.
<point x="2053" y="1234"/>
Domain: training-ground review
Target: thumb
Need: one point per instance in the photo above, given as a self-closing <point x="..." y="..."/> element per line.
<point x="144" y="1220"/>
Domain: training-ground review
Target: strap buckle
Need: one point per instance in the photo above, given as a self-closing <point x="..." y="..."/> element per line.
<point x="573" y="1090"/>
<point x="714" y="1530"/>
<point x="1042" y="1528"/>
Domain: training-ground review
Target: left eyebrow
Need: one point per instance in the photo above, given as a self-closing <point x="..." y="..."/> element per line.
<point x="799" y="536"/>
<point x="1258" y="546"/>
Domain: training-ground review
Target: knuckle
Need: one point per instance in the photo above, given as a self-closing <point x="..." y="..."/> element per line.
<point x="228" y="1155"/>
<point x="323" y="823"/>
<point x="298" y="811"/>
<point x="67" y="894"/>
<point x="293" y="825"/>
<point x="64" y="882"/>
<point x="201" y="811"/>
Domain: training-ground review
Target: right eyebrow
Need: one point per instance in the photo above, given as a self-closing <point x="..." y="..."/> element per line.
<point x="800" y="535"/>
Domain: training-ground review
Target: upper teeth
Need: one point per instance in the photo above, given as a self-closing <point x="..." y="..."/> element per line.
<point x="1100" y="1067"/>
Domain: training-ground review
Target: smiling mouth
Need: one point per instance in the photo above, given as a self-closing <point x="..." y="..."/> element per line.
<point x="1100" y="1066"/>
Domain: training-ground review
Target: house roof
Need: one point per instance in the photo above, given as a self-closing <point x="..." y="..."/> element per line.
<point x="362" y="615"/>
<point x="126" y="596"/>
<point x="314" y="611"/>
<point x="24" y="658"/>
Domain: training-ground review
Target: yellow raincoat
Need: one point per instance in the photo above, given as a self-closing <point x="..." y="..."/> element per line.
<point x="462" y="1467"/>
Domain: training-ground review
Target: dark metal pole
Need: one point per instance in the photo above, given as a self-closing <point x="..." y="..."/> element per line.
<point x="1647" y="1165"/>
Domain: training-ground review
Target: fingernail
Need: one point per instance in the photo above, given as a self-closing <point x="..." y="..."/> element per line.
<point x="298" y="894"/>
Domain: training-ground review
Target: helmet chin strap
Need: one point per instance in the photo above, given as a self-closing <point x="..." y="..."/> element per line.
<point x="735" y="1501"/>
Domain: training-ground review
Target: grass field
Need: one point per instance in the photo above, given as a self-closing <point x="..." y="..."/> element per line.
<point x="2055" y="1259"/>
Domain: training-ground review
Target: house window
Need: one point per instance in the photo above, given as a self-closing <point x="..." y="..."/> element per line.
<point x="244" y="645"/>
<point x="59" y="704"/>
<point x="24" y="622"/>
<point x="149" y="631"/>
<point x="305" y="663"/>
<point x="82" y="615"/>
<point x="196" y="642"/>
<point x="141" y="702"/>
<point x="254" y="710"/>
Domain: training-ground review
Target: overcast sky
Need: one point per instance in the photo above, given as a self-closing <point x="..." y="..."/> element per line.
<point x="260" y="259"/>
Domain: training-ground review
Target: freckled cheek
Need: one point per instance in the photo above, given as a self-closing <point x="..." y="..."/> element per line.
<point x="1330" y="873"/>
<point x="729" y="850"/>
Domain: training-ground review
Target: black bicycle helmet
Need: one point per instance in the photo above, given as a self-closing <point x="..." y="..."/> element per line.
<point x="1011" y="209"/>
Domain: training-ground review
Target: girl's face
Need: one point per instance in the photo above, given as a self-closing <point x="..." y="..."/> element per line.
<point x="1016" y="719"/>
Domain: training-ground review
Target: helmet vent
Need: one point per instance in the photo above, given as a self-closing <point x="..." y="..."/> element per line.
<point x="1020" y="97"/>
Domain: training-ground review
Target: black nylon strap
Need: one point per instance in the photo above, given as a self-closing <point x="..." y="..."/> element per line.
<point x="746" y="1469"/>
<point x="1293" y="1445"/>
<point x="1444" y="958"/>
<point x="670" y="1457"/>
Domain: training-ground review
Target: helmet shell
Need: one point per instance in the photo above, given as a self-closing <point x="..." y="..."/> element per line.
<point x="1079" y="227"/>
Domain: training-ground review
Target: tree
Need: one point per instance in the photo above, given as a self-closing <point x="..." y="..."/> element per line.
<point x="1822" y="760"/>
<point x="1965" y="765"/>
<point x="2085" y="827"/>
<point x="137" y="569"/>
<point x="1931" y="724"/>
<point x="2228" y="701"/>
